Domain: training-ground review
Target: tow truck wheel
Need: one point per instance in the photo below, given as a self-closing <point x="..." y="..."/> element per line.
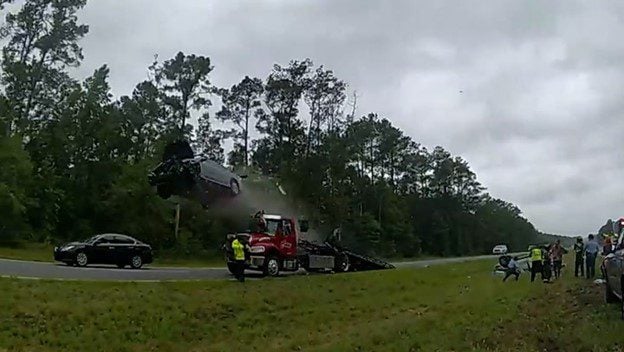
<point x="342" y="263"/>
<point x="271" y="268"/>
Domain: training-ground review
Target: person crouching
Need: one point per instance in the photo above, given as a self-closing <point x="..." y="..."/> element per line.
<point x="512" y="269"/>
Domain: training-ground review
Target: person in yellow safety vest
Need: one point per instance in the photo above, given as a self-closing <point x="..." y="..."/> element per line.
<point x="239" y="256"/>
<point x="537" y="256"/>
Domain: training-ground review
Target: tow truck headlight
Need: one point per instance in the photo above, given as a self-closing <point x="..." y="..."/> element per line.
<point x="257" y="249"/>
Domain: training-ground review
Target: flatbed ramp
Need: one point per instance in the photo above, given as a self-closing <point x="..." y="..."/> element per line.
<point x="360" y="262"/>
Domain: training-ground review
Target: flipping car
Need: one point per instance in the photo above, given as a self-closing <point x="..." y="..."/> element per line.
<point x="181" y="173"/>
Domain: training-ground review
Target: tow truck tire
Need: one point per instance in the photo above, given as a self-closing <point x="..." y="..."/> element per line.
<point x="271" y="267"/>
<point x="342" y="264"/>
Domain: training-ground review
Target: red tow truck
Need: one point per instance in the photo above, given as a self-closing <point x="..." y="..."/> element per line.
<point x="275" y="246"/>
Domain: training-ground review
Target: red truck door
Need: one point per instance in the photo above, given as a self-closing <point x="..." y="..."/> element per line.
<point x="288" y="239"/>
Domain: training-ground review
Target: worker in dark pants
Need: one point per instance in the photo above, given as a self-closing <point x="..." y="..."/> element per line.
<point x="512" y="269"/>
<point x="556" y="256"/>
<point x="536" y="258"/>
<point x="591" y="252"/>
<point x="578" y="257"/>
<point x="239" y="256"/>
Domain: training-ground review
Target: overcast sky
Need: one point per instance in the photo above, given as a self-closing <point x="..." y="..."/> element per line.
<point x="529" y="92"/>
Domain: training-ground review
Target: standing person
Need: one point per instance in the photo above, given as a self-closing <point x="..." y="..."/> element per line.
<point x="578" y="258"/>
<point x="512" y="269"/>
<point x="591" y="252"/>
<point x="239" y="256"/>
<point x="556" y="255"/>
<point x="536" y="257"/>
<point x="608" y="246"/>
<point x="547" y="266"/>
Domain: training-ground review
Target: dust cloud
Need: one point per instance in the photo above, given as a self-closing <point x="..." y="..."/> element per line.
<point x="263" y="193"/>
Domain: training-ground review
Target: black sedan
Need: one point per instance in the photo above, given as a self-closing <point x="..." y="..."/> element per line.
<point x="114" y="249"/>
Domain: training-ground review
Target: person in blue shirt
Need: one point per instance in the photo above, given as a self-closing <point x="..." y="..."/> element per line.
<point x="591" y="252"/>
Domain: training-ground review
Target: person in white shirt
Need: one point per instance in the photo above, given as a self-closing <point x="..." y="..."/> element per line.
<point x="512" y="269"/>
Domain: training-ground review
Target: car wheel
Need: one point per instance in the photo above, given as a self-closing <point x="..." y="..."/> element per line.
<point x="610" y="297"/>
<point x="163" y="191"/>
<point x="342" y="263"/>
<point x="136" y="261"/>
<point x="271" y="268"/>
<point x="82" y="259"/>
<point x="234" y="187"/>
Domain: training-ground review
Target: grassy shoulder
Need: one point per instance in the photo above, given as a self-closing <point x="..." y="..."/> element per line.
<point x="439" y="308"/>
<point x="40" y="252"/>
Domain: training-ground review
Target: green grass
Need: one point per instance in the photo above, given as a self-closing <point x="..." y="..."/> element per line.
<point x="440" y="308"/>
<point x="44" y="253"/>
<point x="28" y="251"/>
<point x="459" y="307"/>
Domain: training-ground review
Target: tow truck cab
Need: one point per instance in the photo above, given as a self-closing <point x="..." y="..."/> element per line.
<point x="275" y="249"/>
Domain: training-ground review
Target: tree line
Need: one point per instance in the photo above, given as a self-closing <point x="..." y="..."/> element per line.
<point x="75" y="160"/>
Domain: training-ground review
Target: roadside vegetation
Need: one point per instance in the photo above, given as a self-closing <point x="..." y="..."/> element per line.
<point x="459" y="307"/>
<point x="75" y="158"/>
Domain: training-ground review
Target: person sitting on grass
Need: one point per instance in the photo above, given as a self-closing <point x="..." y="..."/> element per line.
<point x="512" y="269"/>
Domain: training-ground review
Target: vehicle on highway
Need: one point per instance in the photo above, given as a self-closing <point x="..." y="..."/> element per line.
<point x="276" y="246"/>
<point x="182" y="172"/>
<point x="612" y="268"/>
<point x="500" y="249"/>
<point x="110" y="248"/>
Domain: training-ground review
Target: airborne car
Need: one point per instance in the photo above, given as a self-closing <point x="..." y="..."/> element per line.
<point x="109" y="248"/>
<point x="181" y="172"/>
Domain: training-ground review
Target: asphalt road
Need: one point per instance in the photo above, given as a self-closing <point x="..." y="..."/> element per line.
<point x="41" y="270"/>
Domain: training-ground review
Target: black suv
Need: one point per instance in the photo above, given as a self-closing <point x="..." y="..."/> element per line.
<point x="114" y="249"/>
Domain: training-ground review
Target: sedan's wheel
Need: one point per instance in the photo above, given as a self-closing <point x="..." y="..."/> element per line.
<point x="271" y="267"/>
<point x="234" y="187"/>
<point x="81" y="259"/>
<point x="136" y="261"/>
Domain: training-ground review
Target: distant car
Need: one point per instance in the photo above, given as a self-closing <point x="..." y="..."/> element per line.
<point x="500" y="249"/>
<point x="114" y="249"/>
<point x="181" y="172"/>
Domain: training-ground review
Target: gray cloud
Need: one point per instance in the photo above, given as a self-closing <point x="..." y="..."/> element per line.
<point x="539" y="116"/>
